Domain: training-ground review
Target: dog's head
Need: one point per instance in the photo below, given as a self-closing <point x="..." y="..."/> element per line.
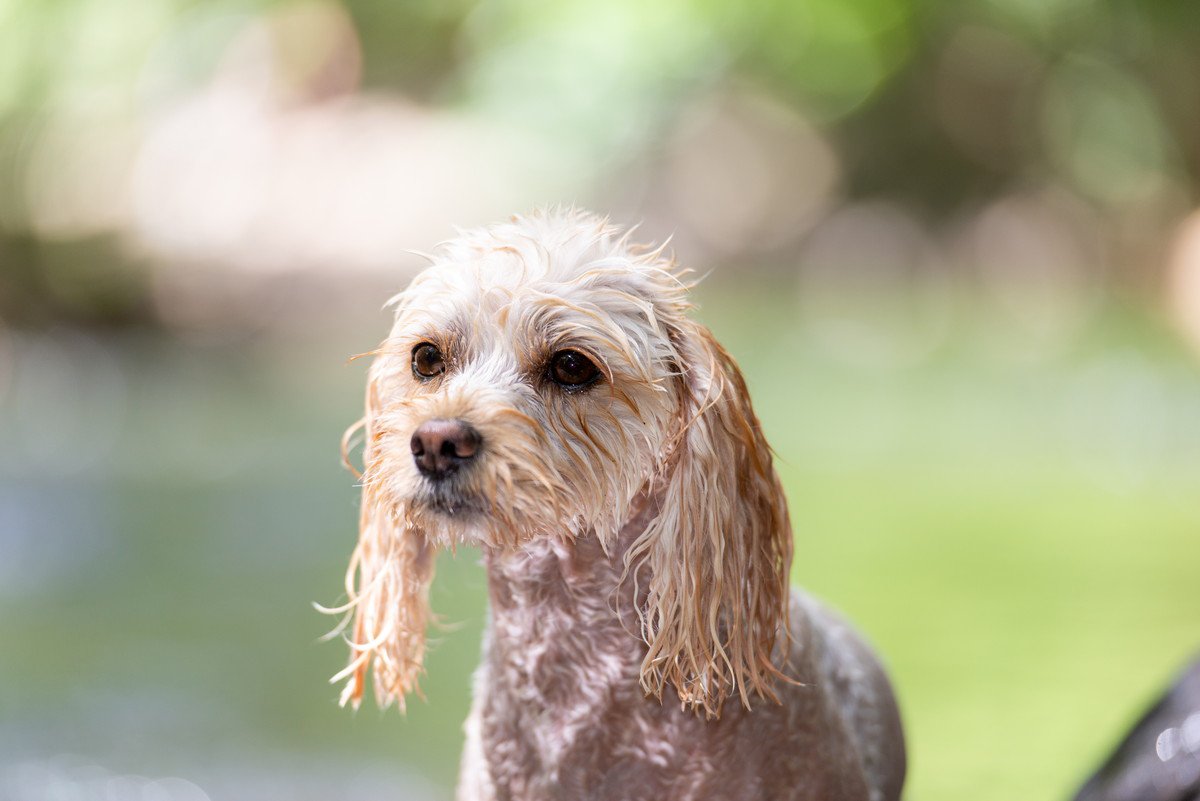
<point x="541" y="377"/>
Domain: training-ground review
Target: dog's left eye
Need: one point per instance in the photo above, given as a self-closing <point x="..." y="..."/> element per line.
<point x="427" y="361"/>
<point x="570" y="369"/>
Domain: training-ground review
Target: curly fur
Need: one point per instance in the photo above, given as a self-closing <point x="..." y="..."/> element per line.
<point x="635" y="532"/>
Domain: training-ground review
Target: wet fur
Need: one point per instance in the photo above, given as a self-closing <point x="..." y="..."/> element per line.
<point x="643" y="641"/>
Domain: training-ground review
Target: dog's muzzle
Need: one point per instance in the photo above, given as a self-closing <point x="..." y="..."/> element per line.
<point x="441" y="447"/>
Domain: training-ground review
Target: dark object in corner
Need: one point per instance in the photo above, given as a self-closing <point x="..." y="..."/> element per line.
<point x="1159" y="760"/>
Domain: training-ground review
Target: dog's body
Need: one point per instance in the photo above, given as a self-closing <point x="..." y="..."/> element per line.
<point x="544" y="395"/>
<point x="559" y="713"/>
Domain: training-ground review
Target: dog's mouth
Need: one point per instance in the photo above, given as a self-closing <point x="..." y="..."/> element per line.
<point x="448" y="501"/>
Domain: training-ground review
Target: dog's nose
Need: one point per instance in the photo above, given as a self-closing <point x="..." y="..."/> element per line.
<point x="439" y="447"/>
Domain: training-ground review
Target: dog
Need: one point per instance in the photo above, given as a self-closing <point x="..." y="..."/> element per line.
<point x="1159" y="758"/>
<point x="545" y="396"/>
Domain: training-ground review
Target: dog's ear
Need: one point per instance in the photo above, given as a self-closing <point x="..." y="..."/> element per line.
<point x="714" y="563"/>
<point x="388" y="578"/>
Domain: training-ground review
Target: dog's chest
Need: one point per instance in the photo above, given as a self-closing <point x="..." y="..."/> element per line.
<point x="564" y="712"/>
<point x="562" y="704"/>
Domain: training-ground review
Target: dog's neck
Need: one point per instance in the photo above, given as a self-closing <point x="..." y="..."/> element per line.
<point x="573" y="574"/>
<point x="554" y="606"/>
<point x="562" y="652"/>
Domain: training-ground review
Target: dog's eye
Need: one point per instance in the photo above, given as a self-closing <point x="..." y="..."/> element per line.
<point x="427" y="361"/>
<point x="572" y="370"/>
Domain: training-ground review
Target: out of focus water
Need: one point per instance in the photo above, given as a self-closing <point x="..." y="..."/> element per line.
<point x="1016" y="527"/>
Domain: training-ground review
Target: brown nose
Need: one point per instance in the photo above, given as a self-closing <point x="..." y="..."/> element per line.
<point x="440" y="447"/>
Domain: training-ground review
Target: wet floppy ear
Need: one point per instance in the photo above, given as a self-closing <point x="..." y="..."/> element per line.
<point x="388" y="578"/>
<point x="715" y="561"/>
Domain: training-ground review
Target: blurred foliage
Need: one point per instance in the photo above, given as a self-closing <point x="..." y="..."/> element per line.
<point x="869" y="68"/>
<point x="940" y="106"/>
<point x="89" y="280"/>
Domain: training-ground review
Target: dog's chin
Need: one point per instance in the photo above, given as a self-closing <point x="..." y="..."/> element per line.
<point x="452" y="506"/>
<point x="450" y="515"/>
<point x="453" y="512"/>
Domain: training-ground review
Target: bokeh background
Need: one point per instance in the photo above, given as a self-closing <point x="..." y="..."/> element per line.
<point x="952" y="243"/>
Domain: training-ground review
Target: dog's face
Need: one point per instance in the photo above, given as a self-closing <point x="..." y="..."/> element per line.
<point x="524" y="393"/>
<point x="542" y="376"/>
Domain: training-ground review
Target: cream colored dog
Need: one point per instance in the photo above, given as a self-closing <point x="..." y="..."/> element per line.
<point x="544" y="395"/>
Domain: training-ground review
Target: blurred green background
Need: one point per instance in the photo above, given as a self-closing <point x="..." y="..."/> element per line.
<point x="953" y="245"/>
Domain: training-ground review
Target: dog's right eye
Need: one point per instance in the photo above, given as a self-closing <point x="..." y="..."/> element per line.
<point x="573" y="371"/>
<point x="427" y="361"/>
